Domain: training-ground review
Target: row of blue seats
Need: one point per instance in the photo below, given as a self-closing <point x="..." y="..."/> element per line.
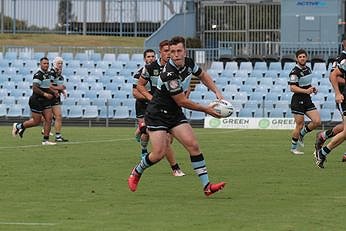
<point x="32" y="65"/>
<point x="246" y="65"/>
<point x="82" y="56"/>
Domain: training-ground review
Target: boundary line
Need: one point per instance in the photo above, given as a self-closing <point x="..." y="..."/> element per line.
<point x="26" y="223"/>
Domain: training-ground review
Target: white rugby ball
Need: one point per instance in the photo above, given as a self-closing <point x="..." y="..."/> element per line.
<point x="223" y="107"/>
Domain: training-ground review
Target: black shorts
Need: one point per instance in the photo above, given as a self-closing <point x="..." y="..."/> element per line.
<point x="141" y="107"/>
<point x="301" y="103"/>
<point x="343" y="105"/>
<point x="56" y="101"/>
<point x="163" y="121"/>
<point x="37" y="105"/>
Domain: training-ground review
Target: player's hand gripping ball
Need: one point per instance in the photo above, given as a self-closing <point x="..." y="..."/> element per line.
<point x="223" y="107"/>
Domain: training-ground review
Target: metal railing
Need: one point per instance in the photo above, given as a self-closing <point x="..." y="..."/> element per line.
<point x="102" y="17"/>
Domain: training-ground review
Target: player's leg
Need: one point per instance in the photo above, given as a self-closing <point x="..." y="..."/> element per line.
<point x="48" y="115"/>
<point x="56" y="110"/>
<point x="299" y="120"/>
<point x="322" y="136"/>
<point x="315" y="120"/>
<point x="335" y="141"/>
<point x="36" y="108"/>
<point x="159" y="143"/>
<point x="185" y="135"/>
<point x="170" y="156"/>
<point x="321" y="155"/>
<point x="143" y="137"/>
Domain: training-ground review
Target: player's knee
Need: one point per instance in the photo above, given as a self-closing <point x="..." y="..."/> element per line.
<point x="143" y="128"/>
<point x="317" y="122"/>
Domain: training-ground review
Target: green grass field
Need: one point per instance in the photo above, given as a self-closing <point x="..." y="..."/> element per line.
<point x="82" y="185"/>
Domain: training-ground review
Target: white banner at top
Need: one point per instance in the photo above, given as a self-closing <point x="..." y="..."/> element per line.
<point x="249" y="123"/>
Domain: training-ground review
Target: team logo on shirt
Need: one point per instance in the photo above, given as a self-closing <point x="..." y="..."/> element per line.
<point x="293" y="77"/>
<point x="173" y="84"/>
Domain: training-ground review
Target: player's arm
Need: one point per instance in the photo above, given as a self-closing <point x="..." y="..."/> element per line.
<point x="137" y="94"/>
<point x="333" y="78"/>
<point x="207" y="80"/>
<point x="37" y="90"/>
<point x="183" y="101"/>
<point x="188" y="92"/>
<point x="142" y="89"/>
<point x="296" y="89"/>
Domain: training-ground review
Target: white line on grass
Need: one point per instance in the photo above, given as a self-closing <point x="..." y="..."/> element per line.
<point x="26" y="223"/>
<point x="66" y="143"/>
<point x="113" y="140"/>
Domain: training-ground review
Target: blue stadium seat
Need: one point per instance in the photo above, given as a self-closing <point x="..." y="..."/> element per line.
<point x="4" y="63"/>
<point x="122" y="112"/>
<point x="17" y="63"/>
<point x="268" y="82"/>
<point x="237" y="81"/>
<point x="246" y="66"/>
<point x="275" y="66"/>
<point x="83" y="102"/>
<point x="123" y="57"/>
<point x="326" y="115"/>
<point x="289" y="65"/>
<point x="231" y="65"/>
<point x="103" y="64"/>
<point x="245" y="112"/>
<point x="75" y="112"/>
<point x="95" y="57"/>
<point x="257" y="74"/>
<point x="260" y="66"/>
<point x="38" y="55"/>
<point x="67" y="56"/>
<point x="106" y="112"/>
<point x="15" y="110"/>
<point x="10" y="55"/>
<point x="336" y="115"/>
<point x="132" y="65"/>
<point x="104" y="94"/>
<point x="242" y="73"/>
<point x="276" y="113"/>
<point x="81" y="56"/>
<point x="251" y="104"/>
<point x="217" y="65"/>
<point x="109" y="57"/>
<point x="51" y="55"/>
<point x="88" y="64"/>
<point x="137" y="57"/>
<point x="231" y="88"/>
<point x="23" y="101"/>
<point x="30" y="63"/>
<point x="73" y="64"/>
<point x="282" y="104"/>
<point x="90" y="112"/>
<point x="3" y="110"/>
<point x="258" y="96"/>
<point x="24" y="55"/>
<point x="228" y="73"/>
<point x="248" y="88"/>
<point x="260" y="112"/>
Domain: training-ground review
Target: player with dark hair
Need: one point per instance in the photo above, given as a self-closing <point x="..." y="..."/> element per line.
<point x="142" y="102"/>
<point x="58" y="85"/>
<point x="300" y="79"/>
<point x="339" y="132"/>
<point x="165" y="115"/>
<point x="150" y="75"/>
<point x="322" y="136"/>
<point x="40" y="103"/>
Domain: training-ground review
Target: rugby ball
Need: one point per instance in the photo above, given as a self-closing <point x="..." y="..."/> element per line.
<point x="222" y="107"/>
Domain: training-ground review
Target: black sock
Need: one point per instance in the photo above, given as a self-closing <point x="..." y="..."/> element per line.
<point x="175" y="167"/>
